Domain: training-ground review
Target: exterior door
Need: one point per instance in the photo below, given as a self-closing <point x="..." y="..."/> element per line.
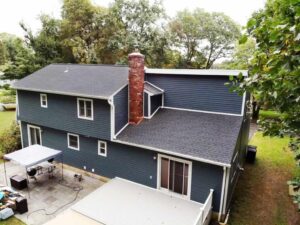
<point x="34" y="135"/>
<point x="175" y="175"/>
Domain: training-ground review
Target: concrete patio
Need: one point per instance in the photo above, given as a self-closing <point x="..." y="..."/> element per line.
<point x="50" y="197"/>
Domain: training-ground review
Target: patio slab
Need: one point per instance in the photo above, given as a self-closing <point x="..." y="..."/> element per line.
<point x="50" y="197"/>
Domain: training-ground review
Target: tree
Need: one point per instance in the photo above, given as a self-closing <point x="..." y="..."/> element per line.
<point x="47" y="44"/>
<point x="20" y="58"/>
<point x="241" y="56"/>
<point x="204" y="35"/>
<point x="138" y="27"/>
<point x="78" y="29"/>
<point x="275" y="70"/>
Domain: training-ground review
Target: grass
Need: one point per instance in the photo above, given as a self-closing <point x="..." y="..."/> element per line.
<point x="6" y="119"/>
<point x="12" y="221"/>
<point x="261" y="196"/>
<point x="269" y="114"/>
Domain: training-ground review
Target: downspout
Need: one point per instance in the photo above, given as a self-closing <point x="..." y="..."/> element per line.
<point x="226" y="190"/>
<point x="112" y="118"/>
<point x="222" y="194"/>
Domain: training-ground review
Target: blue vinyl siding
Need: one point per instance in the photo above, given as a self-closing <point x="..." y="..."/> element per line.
<point x="156" y="101"/>
<point x="207" y="93"/>
<point x="205" y="177"/>
<point x="121" y="109"/>
<point x="61" y="114"/>
<point x="128" y="162"/>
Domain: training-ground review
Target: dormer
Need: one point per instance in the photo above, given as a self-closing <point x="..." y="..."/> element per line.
<point x="153" y="99"/>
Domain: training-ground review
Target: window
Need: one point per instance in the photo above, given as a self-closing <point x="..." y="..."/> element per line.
<point x="174" y="175"/>
<point x="34" y="135"/>
<point x="85" y="108"/>
<point x="73" y="141"/>
<point x="102" y="148"/>
<point x="44" y="102"/>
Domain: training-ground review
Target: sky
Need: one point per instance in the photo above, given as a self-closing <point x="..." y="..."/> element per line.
<point x="14" y="11"/>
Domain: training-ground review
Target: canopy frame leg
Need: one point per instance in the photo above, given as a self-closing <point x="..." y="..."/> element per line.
<point x="62" y="167"/>
<point x="5" y="174"/>
<point x="27" y="179"/>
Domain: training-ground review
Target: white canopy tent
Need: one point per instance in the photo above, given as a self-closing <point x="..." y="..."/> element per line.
<point x="32" y="155"/>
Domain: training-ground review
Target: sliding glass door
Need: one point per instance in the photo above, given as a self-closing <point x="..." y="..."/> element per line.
<point x="174" y="175"/>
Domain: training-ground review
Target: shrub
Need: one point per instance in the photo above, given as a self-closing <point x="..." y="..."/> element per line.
<point x="10" y="139"/>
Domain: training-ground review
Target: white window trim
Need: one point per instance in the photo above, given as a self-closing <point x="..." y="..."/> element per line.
<point x="99" y="146"/>
<point x="71" y="147"/>
<point x="92" y="109"/>
<point x="41" y="99"/>
<point x="28" y="133"/>
<point x="188" y="196"/>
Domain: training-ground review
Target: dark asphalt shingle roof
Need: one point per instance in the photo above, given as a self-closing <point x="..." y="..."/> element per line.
<point x="202" y="135"/>
<point x="100" y="81"/>
<point x="153" y="90"/>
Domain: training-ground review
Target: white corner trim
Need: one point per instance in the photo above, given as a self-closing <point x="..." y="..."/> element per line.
<point x="149" y="105"/>
<point x="190" y="163"/>
<point x="92" y="108"/>
<point x="21" y="133"/>
<point x="243" y="105"/>
<point x="112" y="118"/>
<point x="17" y="102"/>
<point x="222" y="194"/>
<point x="120" y="131"/>
<point x="202" y="111"/>
<point x="226" y="190"/>
<point x="173" y="153"/>
<point x="41" y="100"/>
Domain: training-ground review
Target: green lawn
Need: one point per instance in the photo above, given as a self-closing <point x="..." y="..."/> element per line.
<point x="261" y="196"/>
<point x="12" y="221"/>
<point x="6" y="119"/>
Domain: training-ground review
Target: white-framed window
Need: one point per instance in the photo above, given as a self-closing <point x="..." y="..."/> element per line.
<point x="73" y="141"/>
<point x="34" y="135"/>
<point x="85" y="109"/>
<point x="44" y="101"/>
<point x="174" y="175"/>
<point x="102" y="148"/>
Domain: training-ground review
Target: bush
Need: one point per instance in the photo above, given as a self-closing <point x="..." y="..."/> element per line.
<point x="10" y="139"/>
<point x="264" y="114"/>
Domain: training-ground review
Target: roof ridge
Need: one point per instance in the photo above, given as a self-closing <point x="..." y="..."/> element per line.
<point x="77" y="64"/>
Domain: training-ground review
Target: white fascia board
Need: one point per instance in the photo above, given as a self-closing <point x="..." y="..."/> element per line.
<point x="62" y="93"/>
<point x="197" y="72"/>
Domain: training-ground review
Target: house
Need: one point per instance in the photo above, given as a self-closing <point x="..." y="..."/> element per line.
<point x="180" y="131"/>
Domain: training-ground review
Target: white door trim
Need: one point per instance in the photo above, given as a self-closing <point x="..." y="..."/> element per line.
<point x="188" y="196"/>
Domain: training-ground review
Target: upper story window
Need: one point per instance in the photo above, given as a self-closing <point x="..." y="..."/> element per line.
<point x="73" y="141"/>
<point x="44" y="102"/>
<point x="85" y="108"/>
<point x="102" y="148"/>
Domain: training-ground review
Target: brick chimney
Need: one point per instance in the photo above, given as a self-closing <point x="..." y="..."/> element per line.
<point x="136" y="87"/>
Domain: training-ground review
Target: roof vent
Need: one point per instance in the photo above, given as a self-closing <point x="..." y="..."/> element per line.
<point x="67" y="70"/>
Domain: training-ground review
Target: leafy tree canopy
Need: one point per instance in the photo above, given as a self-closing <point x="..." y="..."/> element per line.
<point x="275" y="67"/>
